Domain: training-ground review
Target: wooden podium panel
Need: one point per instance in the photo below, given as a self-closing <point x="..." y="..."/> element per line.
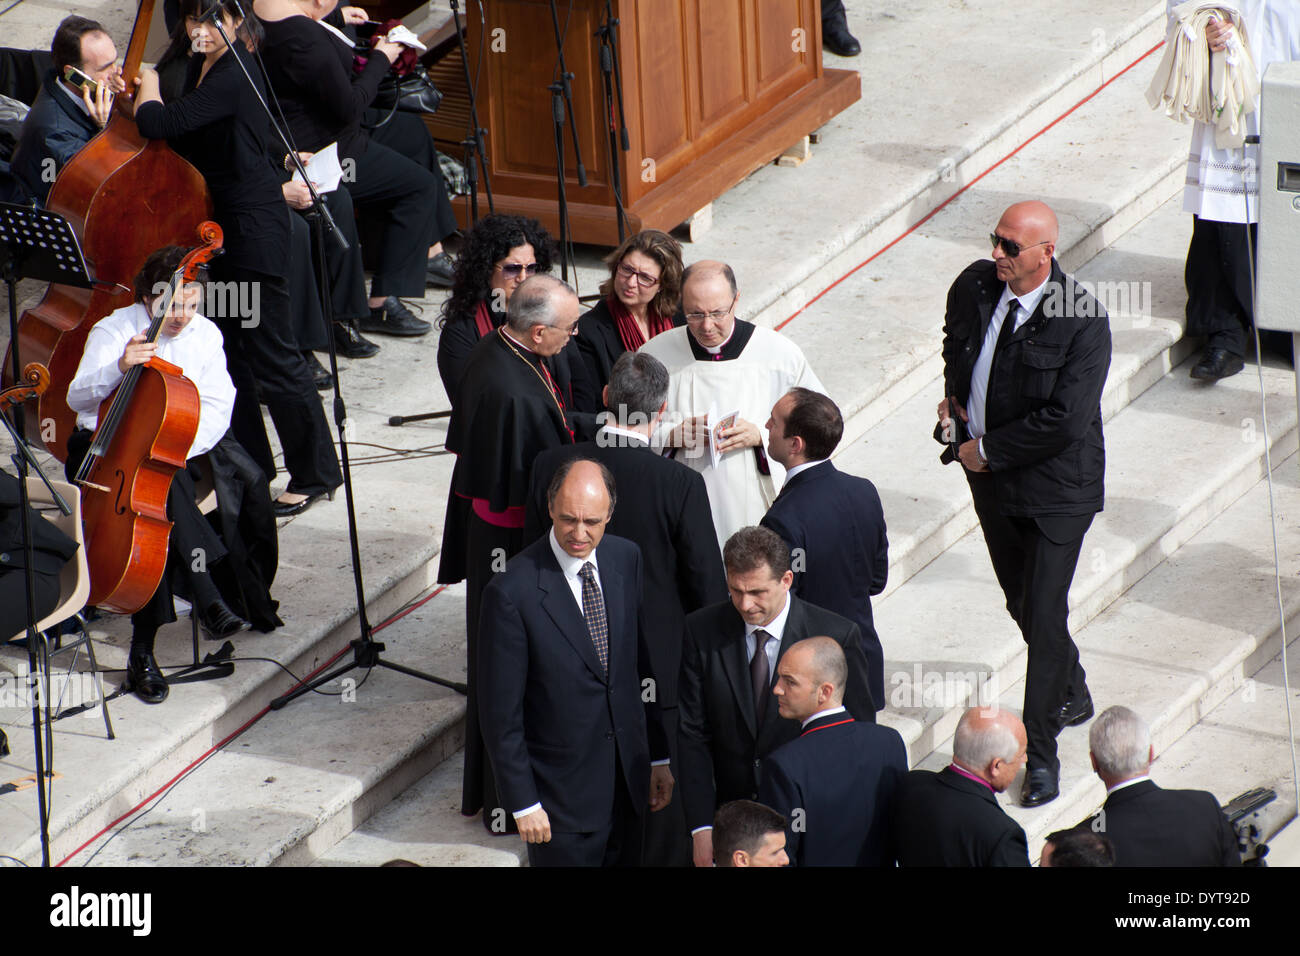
<point x="712" y="90"/>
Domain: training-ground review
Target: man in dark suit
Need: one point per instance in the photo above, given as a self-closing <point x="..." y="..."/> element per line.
<point x="835" y="782"/>
<point x="952" y="818"/>
<point x="726" y="720"/>
<point x="832" y="522"/>
<point x="1025" y="354"/>
<point x="65" y="117"/>
<point x="561" y="663"/>
<point x="749" y="834"/>
<point x="1146" y="825"/>
<point x="665" y="512"/>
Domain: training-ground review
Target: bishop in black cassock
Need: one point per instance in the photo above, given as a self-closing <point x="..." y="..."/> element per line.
<point x="508" y="410"/>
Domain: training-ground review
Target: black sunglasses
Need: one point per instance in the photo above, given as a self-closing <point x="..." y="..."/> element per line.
<point x="1010" y="246"/>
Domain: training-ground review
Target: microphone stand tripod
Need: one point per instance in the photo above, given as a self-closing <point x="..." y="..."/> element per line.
<point x="562" y="100"/>
<point x="473" y="142"/>
<point x="612" y="77"/>
<point x="365" y="650"/>
<point x="26" y="233"/>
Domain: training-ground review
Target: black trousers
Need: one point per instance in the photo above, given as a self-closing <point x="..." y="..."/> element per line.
<point x="618" y="843"/>
<point x="344" y="268"/>
<point x="308" y="320"/>
<point x="13" y="599"/>
<point x="192" y="547"/>
<point x="1034" y="560"/>
<point x="833" y="11"/>
<point x="1217" y="276"/>
<point x="263" y="358"/>
<point x="405" y="194"/>
<point x="486" y="547"/>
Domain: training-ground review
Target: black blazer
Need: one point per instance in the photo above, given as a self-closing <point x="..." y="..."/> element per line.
<point x="1043" y="434"/>
<point x="56" y="129"/>
<point x="1149" y="826"/>
<point x="555" y="726"/>
<point x="51" y="548"/>
<point x="840" y="776"/>
<point x="720" y="746"/>
<point x="664" y="508"/>
<point x="599" y="345"/>
<point x="945" y="819"/>
<point x="838" y="525"/>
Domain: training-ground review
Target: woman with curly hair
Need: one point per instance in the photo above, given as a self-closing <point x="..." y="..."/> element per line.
<point x="641" y="297"/>
<point x="498" y="254"/>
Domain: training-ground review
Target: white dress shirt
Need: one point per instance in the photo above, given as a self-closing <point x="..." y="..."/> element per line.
<point x="611" y="437"/>
<point x="773" y="648"/>
<point x="824" y="713"/>
<point x="75" y="97"/>
<point x="197" y="350"/>
<point x="1127" y="783"/>
<point x="773" y="651"/>
<point x="979" y="376"/>
<point x="804" y="467"/>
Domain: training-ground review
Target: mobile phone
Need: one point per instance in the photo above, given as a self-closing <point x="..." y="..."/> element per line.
<point x="80" y="80"/>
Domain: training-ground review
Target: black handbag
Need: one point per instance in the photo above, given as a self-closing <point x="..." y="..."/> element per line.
<point x="412" y="93"/>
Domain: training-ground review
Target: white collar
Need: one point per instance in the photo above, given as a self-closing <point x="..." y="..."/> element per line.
<point x="1128" y="783"/>
<point x="606" y="430"/>
<point x="791" y="472"/>
<point x="777" y="627"/>
<point x="81" y="104"/>
<point x="526" y="348"/>
<point x="568" y="563"/>
<point x="1028" y="301"/>
<point x="715" y="349"/>
<point x="824" y="713"/>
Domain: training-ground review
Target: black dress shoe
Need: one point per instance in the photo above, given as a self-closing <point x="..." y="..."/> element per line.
<point x="1075" y="711"/>
<point x="218" y="621"/>
<point x="1041" y="786"/>
<point x="4" y="744"/>
<point x="284" y="510"/>
<point x="349" y="343"/>
<point x="394" y="318"/>
<point x="441" y="271"/>
<point x="837" y="38"/>
<point x="144" y="678"/>
<point x="1216" y="364"/>
<point x="320" y="375"/>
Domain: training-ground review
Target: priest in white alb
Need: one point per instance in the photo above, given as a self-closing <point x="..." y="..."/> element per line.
<point x="720" y="365"/>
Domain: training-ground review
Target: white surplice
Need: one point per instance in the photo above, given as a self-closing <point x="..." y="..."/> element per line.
<point x="768" y="367"/>
<point x="1217" y="178"/>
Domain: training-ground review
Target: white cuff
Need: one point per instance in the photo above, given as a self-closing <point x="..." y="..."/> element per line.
<point x="527" y="810"/>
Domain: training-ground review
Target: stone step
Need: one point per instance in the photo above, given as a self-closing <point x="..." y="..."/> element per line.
<point x="302" y="778"/>
<point x="400" y="498"/>
<point x="1181" y="653"/>
<point x="1176" y="457"/>
<point x="1146" y="325"/>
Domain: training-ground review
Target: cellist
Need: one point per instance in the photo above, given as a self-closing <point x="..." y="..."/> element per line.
<point x="192" y="342"/>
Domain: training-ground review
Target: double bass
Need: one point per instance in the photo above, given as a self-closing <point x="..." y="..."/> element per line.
<point x="125" y="197"/>
<point x="144" y="434"/>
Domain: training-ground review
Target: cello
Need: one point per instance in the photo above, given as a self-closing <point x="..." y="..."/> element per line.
<point x="125" y="197"/>
<point x="144" y="434"/>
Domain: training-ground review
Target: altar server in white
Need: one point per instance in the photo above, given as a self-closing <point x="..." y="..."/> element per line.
<point x="720" y="364"/>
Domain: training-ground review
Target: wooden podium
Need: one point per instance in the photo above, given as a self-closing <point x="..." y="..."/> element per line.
<point x="712" y="89"/>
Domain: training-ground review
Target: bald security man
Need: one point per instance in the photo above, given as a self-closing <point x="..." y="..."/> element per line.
<point x="835" y="783"/>
<point x="1025" y="352"/>
<point x="952" y="818"/>
<point x="561" y="663"/>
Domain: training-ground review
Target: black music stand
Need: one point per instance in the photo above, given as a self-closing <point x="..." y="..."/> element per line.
<point x="35" y="244"/>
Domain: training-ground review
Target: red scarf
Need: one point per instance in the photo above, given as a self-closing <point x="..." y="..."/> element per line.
<point x="483" y="320"/>
<point x="628" y="330"/>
